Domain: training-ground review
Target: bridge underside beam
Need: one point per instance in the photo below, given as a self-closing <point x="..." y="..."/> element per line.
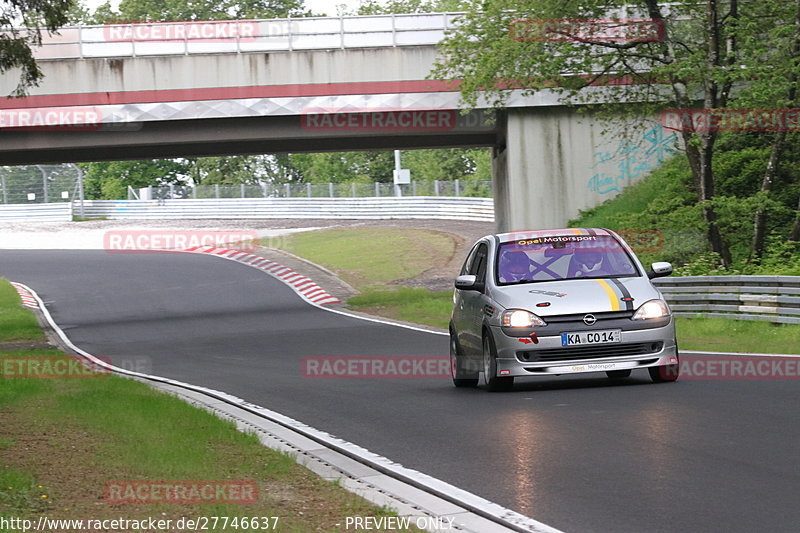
<point x="217" y="137"/>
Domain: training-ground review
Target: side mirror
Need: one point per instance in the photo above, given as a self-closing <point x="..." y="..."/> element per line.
<point x="468" y="282"/>
<point x="659" y="269"/>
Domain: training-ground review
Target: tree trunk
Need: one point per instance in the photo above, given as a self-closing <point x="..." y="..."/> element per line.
<point x="706" y="182"/>
<point x="708" y="138"/>
<point x="760" y="222"/>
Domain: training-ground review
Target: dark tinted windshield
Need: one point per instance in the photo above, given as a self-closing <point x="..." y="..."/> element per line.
<point x="560" y="257"/>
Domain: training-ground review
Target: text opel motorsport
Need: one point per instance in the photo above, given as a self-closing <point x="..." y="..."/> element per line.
<point x="539" y="303"/>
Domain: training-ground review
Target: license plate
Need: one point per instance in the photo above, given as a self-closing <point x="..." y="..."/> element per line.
<point x="581" y="338"/>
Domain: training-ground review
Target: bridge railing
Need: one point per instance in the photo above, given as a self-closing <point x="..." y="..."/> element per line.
<point x="765" y="298"/>
<point x="226" y="36"/>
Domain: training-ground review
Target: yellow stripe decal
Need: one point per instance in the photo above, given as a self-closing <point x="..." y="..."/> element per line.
<point x="612" y="296"/>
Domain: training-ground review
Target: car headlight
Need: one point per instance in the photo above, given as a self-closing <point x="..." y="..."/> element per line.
<point x="651" y="309"/>
<point x="519" y="318"/>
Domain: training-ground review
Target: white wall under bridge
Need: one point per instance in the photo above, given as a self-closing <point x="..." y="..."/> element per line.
<point x="107" y="96"/>
<point x="551" y="162"/>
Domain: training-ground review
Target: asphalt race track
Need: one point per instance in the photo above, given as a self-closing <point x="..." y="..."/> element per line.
<point x="580" y="454"/>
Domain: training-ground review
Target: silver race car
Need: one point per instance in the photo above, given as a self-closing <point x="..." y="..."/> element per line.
<point x="545" y="303"/>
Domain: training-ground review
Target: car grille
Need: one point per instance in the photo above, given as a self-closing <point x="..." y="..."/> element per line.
<point x="606" y="315"/>
<point x="589" y="352"/>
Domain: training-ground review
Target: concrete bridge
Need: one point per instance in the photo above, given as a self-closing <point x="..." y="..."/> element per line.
<point x="321" y="84"/>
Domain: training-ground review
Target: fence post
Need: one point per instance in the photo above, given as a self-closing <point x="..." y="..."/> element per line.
<point x="5" y="192"/>
<point x="436" y="187"/>
<point x="458" y="188"/>
<point x="377" y="189"/>
<point x="194" y="191"/>
<point x="80" y="190"/>
<point x="353" y="189"/>
<point x="413" y="188"/>
<point x="288" y="190"/>
<point x="241" y="188"/>
<point x="330" y="189"/>
<point x="308" y="189"/>
<point x="171" y="191"/>
<point x="216" y="191"/>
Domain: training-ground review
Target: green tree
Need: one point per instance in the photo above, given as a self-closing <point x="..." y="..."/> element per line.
<point x="771" y="83"/>
<point x="340" y="167"/>
<point x="109" y="180"/>
<point x="373" y="7"/>
<point x="21" y="26"/>
<point x="693" y="61"/>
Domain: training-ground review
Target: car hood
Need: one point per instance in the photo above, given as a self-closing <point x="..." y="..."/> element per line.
<point x="576" y="296"/>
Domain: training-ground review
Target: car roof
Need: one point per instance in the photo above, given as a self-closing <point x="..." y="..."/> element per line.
<point x="533" y="234"/>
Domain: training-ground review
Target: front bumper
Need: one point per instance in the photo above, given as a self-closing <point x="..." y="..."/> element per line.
<point x="639" y="348"/>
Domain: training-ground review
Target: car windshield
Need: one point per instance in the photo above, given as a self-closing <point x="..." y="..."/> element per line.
<point x="562" y="257"/>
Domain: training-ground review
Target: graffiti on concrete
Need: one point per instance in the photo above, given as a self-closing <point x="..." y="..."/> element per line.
<point x="630" y="160"/>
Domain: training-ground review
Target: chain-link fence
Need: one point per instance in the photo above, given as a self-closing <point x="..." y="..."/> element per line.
<point x="37" y="184"/>
<point x="472" y="188"/>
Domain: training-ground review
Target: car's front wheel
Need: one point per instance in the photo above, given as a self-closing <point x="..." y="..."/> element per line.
<point x="493" y="382"/>
<point x="462" y="376"/>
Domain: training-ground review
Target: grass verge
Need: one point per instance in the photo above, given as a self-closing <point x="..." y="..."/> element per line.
<point x="370" y="256"/>
<point x="725" y="335"/>
<point x="64" y="439"/>
<point x="16" y="322"/>
<point x="409" y="304"/>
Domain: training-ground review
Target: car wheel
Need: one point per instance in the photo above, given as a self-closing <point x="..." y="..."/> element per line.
<point x="493" y="382"/>
<point x="618" y="374"/>
<point x="665" y="373"/>
<point x="461" y="376"/>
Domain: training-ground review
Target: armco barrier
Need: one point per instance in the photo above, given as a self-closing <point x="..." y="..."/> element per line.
<point x="56" y="212"/>
<point x="450" y="208"/>
<point x="767" y="298"/>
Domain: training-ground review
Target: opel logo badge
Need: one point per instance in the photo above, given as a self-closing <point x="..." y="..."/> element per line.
<point x="589" y="320"/>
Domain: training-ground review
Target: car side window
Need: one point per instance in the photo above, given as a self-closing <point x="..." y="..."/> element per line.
<point x="465" y="268"/>
<point x="478" y="266"/>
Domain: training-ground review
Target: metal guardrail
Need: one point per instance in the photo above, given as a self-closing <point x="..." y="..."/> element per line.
<point x="58" y="212"/>
<point x="766" y="298"/>
<point x="449" y="208"/>
<point x="226" y="36"/>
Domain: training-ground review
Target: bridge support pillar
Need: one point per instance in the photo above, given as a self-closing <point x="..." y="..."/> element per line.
<point x="551" y="162"/>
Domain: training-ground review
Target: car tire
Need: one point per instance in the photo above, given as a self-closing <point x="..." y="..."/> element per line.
<point x="618" y="374"/>
<point x="461" y="376"/>
<point x="665" y="373"/>
<point x="492" y="381"/>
